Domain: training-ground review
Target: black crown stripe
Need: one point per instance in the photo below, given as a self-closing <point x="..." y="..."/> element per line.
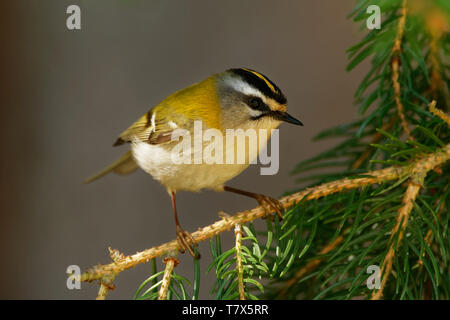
<point x="261" y="83"/>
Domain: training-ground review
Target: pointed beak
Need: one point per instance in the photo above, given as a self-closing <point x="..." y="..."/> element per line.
<point x="286" y="117"/>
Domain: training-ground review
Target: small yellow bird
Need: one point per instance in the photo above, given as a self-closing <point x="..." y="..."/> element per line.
<point x="234" y="99"/>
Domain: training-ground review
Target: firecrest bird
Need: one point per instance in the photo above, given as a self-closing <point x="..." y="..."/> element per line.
<point x="234" y="99"/>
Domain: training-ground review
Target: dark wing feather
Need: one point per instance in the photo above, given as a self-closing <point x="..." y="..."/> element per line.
<point x="147" y="129"/>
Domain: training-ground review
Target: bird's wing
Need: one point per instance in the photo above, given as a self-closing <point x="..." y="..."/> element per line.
<point x="196" y="102"/>
<point x="152" y="127"/>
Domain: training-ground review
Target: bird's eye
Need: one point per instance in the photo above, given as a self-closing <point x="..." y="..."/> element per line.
<point x="256" y="103"/>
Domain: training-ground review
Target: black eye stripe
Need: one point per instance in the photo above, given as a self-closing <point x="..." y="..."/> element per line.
<point x="258" y="117"/>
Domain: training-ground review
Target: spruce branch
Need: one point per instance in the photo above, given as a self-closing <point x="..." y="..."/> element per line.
<point x="225" y="224"/>
<point x="239" y="267"/>
<point x="439" y="113"/>
<point x="395" y="63"/>
<point x="415" y="183"/>
<point x="420" y="167"/>
<point x="313" y="264"/>
<point x="402" y="218"/>
<point x="402" y="221"/>
<point x="396" y="217"/>
<point x="102" y="292"/>
<point x="115" y="254"/>
<point x="106" y="284"/>
<point x="170" y="263"/>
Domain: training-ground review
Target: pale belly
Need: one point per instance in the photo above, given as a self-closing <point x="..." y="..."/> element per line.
<point x="157" y="161"/>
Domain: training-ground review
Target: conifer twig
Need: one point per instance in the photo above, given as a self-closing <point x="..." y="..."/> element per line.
<point x="222" y="225"/>
<point x="240" y="269"/>
<point x="396" y="50"/>
<point x="106" y="284"/>
<point x="170" y="263"/>
<point x="424" y="164"/>
<point x="402" y="221"/>
<point x="313" y="264"/>
<point x="415" y="183"/>
<point x="429" y="235"/>
<point x="102" y="292"/>
<point x="115" y="254"/>
<point x="439" y="113"/>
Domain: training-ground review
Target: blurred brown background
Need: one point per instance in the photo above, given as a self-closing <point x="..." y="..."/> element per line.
<point x="66" y="95"/>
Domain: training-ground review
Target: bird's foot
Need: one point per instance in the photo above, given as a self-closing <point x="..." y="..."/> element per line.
<point x="270" y="205"/>
<point x="186" y="242"/>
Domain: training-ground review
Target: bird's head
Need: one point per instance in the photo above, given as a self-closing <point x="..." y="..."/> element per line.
<point x="250" y="99"/>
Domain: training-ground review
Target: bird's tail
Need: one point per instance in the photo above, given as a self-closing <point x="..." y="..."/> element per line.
<point x="124" y="165"/>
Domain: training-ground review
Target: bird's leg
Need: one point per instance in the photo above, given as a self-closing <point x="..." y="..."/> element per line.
<point x="183" y="237"/>
<point x="264" y="201"/>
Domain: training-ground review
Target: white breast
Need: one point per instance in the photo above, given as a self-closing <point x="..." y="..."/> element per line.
<point x="157" y="161"/>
